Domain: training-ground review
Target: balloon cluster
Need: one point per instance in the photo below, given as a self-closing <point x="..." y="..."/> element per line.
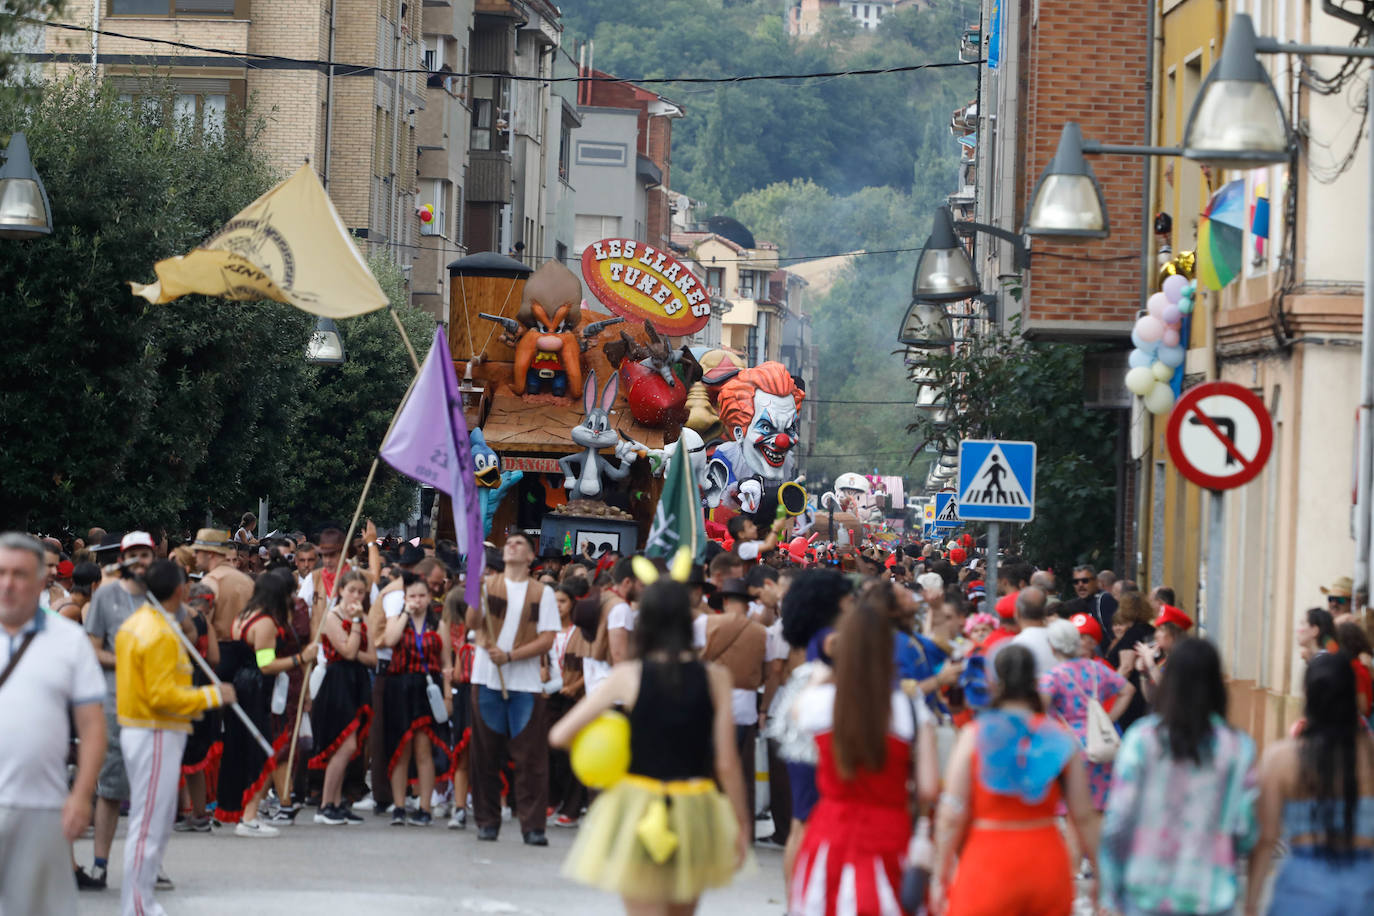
<point x="426" y="213"/>
<point x="1158" y="346"/>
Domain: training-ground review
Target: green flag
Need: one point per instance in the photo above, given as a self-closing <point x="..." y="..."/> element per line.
<point x="678" y="521"/>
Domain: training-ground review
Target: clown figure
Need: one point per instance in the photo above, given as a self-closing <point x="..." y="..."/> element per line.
<point x="759" y="409"/>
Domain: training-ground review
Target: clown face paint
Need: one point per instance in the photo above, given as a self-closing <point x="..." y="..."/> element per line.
<point x="772" y="434"/>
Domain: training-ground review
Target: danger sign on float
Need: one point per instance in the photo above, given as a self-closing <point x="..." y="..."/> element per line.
<point x="639" y="282"/>
<point x="1220" y="435"/>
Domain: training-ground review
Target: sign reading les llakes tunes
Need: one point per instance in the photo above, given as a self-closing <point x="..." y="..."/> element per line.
<point x="639" y="282"/>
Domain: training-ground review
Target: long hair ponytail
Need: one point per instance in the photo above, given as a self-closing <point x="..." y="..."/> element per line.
<point x="863" y="683"/>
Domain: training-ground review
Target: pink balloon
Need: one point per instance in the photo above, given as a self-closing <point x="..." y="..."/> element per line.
<point x="1172" y="316"/>
<point x="1149" y="329"/>
<point x="1170" y="338"/>
<point x="1173" y="287"/>
<point x="1156" y="305"/>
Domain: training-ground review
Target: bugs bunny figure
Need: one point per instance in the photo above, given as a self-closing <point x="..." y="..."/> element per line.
<point x="594" y="434"/>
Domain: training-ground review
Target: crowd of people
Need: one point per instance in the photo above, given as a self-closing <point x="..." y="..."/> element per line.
<point x="929" y="738"/>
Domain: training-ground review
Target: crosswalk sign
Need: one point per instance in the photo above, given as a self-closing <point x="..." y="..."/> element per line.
<point x="947" y="511"/>
<point x="996" y="480"/>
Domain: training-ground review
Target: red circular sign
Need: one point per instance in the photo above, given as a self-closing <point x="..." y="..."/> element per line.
<point x="1220" y="435"/>
<point x="639" y="282"/>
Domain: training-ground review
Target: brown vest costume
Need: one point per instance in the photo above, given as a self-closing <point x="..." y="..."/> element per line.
<point x="529" y="615"/>
<point x="740" y="648"/>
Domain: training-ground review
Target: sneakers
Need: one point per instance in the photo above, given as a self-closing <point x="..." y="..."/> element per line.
<point x="564" y="821"/>
<point x="347" y="814"/>
<point x="366" y="803"/>
<point x="421" y="818"/>
<point x="459" y="820"/>
<point x="331" y="815"/>
<point x="770" y="842"/>
<point x="535" y="838"/>
<point x="163" y="883"/>
<point x="94" y="880"/>
<point x="488" y="834"/>
<point x="284" y="817"/>
<point x="255" y="829"/>
<point x="398" y="816"/>
<point x="192" y="824"/>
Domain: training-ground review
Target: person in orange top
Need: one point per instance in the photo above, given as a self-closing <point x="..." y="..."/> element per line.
<point x="1005" y="779"/>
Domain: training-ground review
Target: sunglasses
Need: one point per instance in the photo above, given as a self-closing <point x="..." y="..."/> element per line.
<point x="1081" y="581"/>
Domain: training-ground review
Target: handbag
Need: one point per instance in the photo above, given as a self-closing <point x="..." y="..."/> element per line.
<point x="18" y="654"/>
<point x="1103" y="740"/>
<point x="436" y="703"/>
<point x="920" y="854"/>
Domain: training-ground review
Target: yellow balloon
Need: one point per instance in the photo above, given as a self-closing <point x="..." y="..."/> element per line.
<point x="601" y="751"/>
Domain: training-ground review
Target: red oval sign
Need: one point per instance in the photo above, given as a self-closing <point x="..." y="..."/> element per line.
<point x="638" y="281"/>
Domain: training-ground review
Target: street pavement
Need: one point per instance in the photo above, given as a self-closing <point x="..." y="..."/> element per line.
<point x="375" y="868"/>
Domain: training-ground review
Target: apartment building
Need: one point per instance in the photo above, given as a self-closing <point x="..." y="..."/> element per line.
<point x="354" y="124"/>
<point x="804" y="16"/>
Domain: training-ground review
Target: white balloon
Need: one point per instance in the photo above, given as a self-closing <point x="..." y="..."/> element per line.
<point x="1140" y="381"/>
<point x="1156" y="303"/>
<point x="1160" y="399"/>
<point x="1161" y="372"/>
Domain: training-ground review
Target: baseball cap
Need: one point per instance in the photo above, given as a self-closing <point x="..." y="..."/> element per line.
<point x="65" y="568"/>
<point x="1006" y="606"/>
<point x="136" y="539"/>
<point x="1087" y="626"/>
<point x="1170" y="614"/>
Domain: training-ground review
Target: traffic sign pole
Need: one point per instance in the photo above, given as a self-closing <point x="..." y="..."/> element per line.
<point x="1216" y="548"/>
<point x="990" y="578"/>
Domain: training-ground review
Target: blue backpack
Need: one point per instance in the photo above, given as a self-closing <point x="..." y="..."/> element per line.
<point x="974" y="681"/>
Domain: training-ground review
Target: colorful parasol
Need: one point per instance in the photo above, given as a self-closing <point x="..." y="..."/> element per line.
<point x="1221" y="236"/>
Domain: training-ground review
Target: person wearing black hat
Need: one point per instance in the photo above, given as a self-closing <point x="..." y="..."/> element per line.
<point x="740" y="644"/>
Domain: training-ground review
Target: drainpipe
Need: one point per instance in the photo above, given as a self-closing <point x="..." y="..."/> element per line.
<point x="95" y="39"/>
<point x="328" y="92"/>
<point x="395" y="150"/>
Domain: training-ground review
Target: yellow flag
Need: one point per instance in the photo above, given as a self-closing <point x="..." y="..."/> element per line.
<point x="288" y="245"/>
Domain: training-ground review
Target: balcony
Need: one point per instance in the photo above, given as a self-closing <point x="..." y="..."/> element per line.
<point x="488" y="177"/>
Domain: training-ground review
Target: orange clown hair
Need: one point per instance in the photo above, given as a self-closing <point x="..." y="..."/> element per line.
<point x="736" y="402"/>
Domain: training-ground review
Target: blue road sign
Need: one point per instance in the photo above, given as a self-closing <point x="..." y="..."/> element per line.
<point x="928" y="531"/>
<point x="996" y="481"/>
<point x="947" y="511"/>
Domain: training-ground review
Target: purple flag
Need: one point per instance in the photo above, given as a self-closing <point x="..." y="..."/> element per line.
<point x="429" y="443"/>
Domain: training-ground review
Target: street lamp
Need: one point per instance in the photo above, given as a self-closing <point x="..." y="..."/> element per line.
<point x="24" y="209"/>
<point x="1236" y="121"/>
<point x="325" y="347"/>
<point x="944" y="273"/>
<point x="926" y="326"/>
<point x="1067" y="200"/>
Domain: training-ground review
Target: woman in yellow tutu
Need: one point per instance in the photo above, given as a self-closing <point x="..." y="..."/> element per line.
<point x="663" y="833"/>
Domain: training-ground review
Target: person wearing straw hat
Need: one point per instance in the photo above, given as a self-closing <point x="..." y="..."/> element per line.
<point x="214" y="551"/>
<point x="1338" y="598"/>
<point x="156" y="704"/>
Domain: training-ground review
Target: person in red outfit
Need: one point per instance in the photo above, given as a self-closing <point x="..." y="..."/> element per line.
<point x="997" y="810"/>
<point x="868" y="736"/>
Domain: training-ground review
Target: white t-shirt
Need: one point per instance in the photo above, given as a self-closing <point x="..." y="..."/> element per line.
<point x="58" y="672"/>
<point x="522" y="675"/>
<point x="699" y="631"/>
<point x="777" y="648"/>
<point x="559" y="650"/>
<point x="1037" y="640"/>
<point x="393" y="605"/>
<point x="593" y="673"/>
<point x="749" y="550"/>
<point x="815" y="711"/>
<point x="622" y="617"/>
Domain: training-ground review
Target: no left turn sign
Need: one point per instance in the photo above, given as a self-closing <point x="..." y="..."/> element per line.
<point x="1220" y="435"/>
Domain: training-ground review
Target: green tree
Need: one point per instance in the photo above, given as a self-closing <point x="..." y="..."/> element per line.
<point x="115" y="411"/>
<point x="1000" y="386"/>
<point x="16" y="17"/>
<point x="344" y="414"/>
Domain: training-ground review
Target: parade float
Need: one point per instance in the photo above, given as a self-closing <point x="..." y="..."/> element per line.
<point x="576" y="403"/>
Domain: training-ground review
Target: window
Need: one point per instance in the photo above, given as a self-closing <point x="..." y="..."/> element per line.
<point x="589" y="153"/>
<point x="565" y="153"/>
<point x="435" y="192"/>
<point x="488" y="110"/>
<point x="715" y="279"/>
<point x="220" y="9"/>
<point x="751" y="343"/>
<point x="747" y="288"/>
<point x="761" y="354"/>
<point x="877" y="12"/>
<point x="560" y="252"/>
<point x="865" y="10"/>
<point x="590" y="228"/>
<point x="202" y="104"/>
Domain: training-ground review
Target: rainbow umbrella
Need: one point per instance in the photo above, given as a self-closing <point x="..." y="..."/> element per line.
<point x="1221" y="236"/>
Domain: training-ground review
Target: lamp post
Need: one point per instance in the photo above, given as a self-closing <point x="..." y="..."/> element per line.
<point x="24" y="209"/>
<point x="325" y="347"/>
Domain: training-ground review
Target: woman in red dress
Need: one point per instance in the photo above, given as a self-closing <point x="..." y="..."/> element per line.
<point x="997" y="811"/>
<point x="850" y="862"/>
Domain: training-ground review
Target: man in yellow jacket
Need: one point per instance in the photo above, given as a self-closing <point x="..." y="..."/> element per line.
<point x="156" y="704"/>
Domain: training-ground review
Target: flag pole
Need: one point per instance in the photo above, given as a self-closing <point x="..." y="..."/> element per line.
<point x="338" y="571"/>
<point x="405" y="339"/>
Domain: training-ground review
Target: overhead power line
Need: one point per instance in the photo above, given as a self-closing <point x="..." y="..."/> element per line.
<point x="248" y="58"/>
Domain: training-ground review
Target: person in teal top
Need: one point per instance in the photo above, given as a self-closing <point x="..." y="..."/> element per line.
<point x="1181" y="811"/>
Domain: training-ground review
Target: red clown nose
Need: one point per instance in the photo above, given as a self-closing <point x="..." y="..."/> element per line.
<point x="782" y="441"/>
